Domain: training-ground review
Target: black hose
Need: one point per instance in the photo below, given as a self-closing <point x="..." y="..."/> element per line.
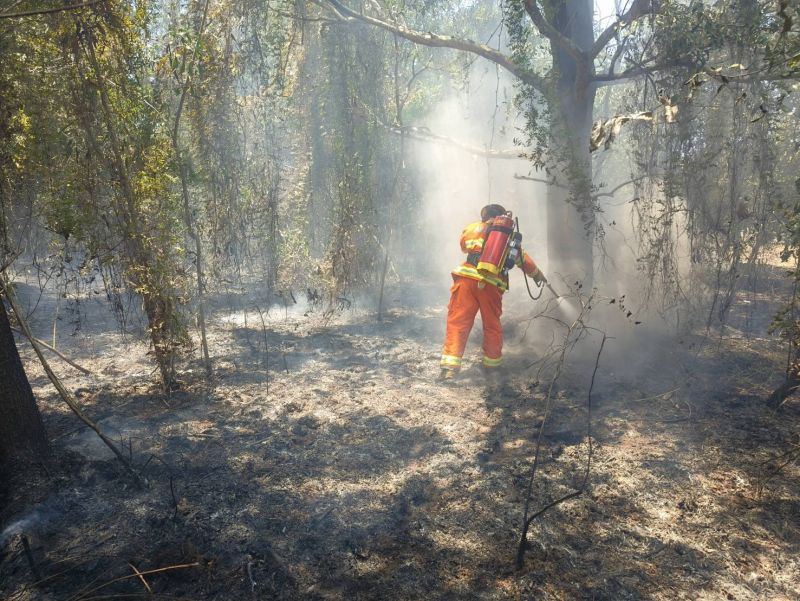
<point x="527" y="285"/>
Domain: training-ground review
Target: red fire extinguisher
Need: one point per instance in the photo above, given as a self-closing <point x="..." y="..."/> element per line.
<point x="496" y="246"/>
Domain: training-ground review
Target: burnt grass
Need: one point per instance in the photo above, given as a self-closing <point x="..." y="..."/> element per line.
<point x="329" y="464"/>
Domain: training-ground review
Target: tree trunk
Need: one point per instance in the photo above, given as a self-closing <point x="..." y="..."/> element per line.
<point x="570" y="215"/>
<point x="22" y="434"/>
<point x="183" y="171"/>
<point x="569" y="244"/>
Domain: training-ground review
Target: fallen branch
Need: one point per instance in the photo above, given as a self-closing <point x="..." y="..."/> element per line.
<point x="62" y="391"/>
<point x="57" y="352"/>
<point x="655" y="396"/>
<point x="82" y="595"/>
<point x="141" y="577"/>
<point x="250" y="576"/>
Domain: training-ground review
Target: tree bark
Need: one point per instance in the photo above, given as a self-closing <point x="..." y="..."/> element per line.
<point x="22" y="433"/>
<point x="570" y="215"/>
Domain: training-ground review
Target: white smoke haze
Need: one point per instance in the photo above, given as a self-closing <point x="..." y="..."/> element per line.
<point x="456" y="183"/>
<point x="34" y="522"/>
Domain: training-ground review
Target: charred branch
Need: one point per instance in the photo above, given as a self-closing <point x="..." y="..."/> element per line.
<point x="58" y="353"/>
<point x="528" y="519"/>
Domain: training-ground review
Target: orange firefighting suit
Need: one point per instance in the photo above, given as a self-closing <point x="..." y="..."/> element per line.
<point x="473" y="291"/>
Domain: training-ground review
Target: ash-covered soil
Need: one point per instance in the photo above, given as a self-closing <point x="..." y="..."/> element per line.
<point x="325" y="462"/>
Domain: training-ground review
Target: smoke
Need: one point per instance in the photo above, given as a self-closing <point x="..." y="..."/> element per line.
<point x="21" y="526"/>
<point x="456" y="183"/>
<point x="34" y="522"/>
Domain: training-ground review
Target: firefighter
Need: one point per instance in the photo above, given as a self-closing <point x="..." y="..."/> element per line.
<point x="479" y="290"/>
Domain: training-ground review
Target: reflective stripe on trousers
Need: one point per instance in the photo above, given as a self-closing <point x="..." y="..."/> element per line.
<point x="467" y="297"/>
<point x="489" y="362"/>
<point x="451" y="361"/>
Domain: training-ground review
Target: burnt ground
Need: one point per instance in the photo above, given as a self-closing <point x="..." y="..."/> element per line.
<point x="329" y="464"/>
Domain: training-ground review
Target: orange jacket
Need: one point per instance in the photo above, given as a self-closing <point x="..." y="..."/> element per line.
<point x="472" y="239"/>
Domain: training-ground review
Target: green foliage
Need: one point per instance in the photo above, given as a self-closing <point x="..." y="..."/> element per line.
<point x="529" y="101"/>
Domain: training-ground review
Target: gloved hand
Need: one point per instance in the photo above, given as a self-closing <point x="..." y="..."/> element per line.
<point x="538" y="277"/>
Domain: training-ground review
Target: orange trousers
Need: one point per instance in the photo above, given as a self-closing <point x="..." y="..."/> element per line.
<point x="467" y="297"/>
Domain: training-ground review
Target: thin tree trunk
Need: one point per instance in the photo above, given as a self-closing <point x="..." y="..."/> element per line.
<point x="198" y="262"/>
<point x="191" y="230"/>
<point x="394" y="210"/>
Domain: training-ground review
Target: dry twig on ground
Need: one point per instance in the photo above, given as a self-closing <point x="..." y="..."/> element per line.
<point x="569" y="342"/>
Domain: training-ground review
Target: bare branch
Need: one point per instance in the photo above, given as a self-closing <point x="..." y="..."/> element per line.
<point x="57" y="352"/>
<point x="617" y="54"/>
<point x="435" y="40"/>
<point x="638" y="9"/>
<point x="139" y="574"/>
<point x="610" y="193"/>
<point x="602" y="79"/>
<point x="528" y="178"/>
<point x="425" y="135"/>
<point x="757" y="75"/>
<point x="568" y="343"/>
<point x="528" y="519"/>
<point x="8" y="293"/>
<point x="9" y="260"/>
<point x="551" y="33"/>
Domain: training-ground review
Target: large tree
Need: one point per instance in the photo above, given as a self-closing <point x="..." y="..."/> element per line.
<point x="557" y="88"/>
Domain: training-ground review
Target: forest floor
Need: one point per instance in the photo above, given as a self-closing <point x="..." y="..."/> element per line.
<point x="329" y="464"/>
